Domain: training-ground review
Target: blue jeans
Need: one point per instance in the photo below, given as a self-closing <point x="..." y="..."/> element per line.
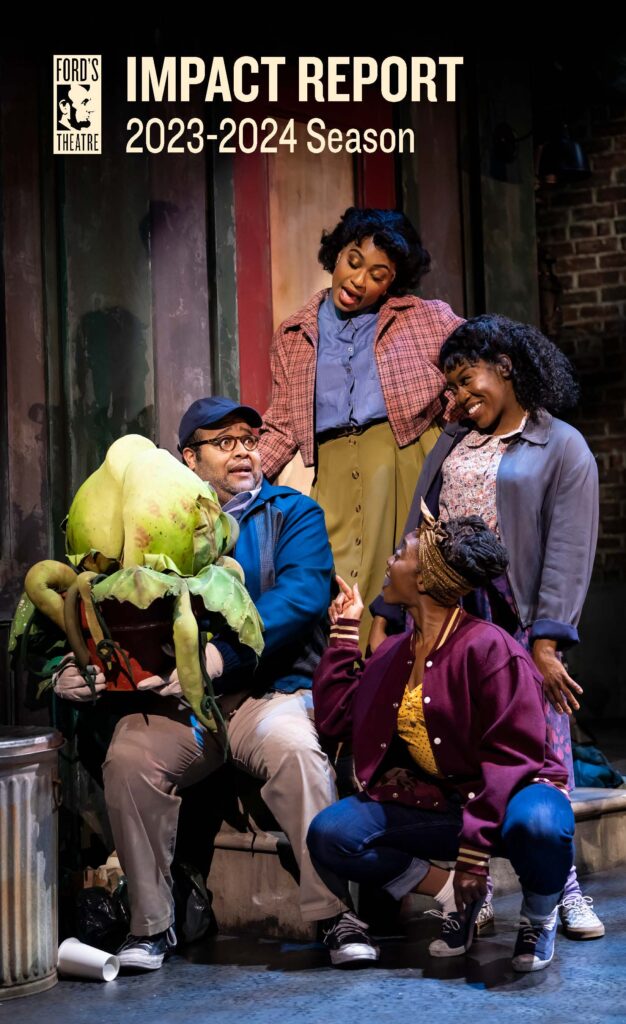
<point x="390" y="845"/>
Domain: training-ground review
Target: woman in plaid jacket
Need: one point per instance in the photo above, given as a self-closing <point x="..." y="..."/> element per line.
<point x="356" y="388"/>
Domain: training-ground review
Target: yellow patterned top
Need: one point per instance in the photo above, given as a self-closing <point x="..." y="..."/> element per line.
<point x="412" y="729"/>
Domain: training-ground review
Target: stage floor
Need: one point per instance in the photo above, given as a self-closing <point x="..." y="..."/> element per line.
<point x="243" y="981"/>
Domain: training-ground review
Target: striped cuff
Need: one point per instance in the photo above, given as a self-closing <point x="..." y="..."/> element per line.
<point x="344" y="631"/>
<point x="471" y="859"/>
<point x="561" y="786"/>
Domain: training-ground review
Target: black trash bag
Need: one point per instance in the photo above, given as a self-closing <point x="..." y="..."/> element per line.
<point x="103" y="917"/>
<point x="195" y="919"/>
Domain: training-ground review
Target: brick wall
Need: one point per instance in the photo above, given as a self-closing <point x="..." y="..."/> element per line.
<point x="584" y="228"/>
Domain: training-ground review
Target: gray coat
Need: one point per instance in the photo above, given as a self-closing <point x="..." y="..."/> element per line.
<point x="547" y="505"/>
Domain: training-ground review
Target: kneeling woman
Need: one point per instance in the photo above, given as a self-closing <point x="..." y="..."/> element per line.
<point x="449" y="739"/>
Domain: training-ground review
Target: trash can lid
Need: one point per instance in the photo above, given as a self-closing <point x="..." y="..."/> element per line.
<point x="27" y="739"/>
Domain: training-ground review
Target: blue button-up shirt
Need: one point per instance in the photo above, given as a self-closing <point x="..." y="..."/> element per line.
<point x="347" y="388"/>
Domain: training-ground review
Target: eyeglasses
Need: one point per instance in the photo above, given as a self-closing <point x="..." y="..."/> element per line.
<point x="228" y="442"/>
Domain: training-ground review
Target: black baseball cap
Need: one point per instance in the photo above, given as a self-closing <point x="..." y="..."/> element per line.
<point x="207" y="412"/>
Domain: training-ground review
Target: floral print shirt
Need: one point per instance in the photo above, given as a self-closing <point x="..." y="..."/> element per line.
<point x="469" y="476"/>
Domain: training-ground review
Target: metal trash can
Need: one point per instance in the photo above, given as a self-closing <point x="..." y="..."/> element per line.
<point x="28" y="859"/>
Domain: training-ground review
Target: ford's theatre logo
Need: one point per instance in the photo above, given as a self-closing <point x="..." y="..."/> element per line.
<point x="77" y="104"/>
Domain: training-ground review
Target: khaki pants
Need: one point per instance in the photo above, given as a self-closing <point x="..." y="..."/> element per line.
<point x="152" y="756"/>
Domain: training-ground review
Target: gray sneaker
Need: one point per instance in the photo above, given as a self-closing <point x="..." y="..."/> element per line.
<point x="578" y="917"/>
<point x="534" y="947"/>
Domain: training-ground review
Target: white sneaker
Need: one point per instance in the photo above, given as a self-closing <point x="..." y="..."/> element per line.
<point x="579" y="919"/>
<point x="486" y="920"/>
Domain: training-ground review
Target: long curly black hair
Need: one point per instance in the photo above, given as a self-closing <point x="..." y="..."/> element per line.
<point x="541" y="375"/>
<point x="473" y="550"/>
<point x="391" y="231"/>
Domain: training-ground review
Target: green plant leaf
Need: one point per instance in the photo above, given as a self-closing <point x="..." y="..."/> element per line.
<point x="138" y="584"/>
<point x="161" y="563"/>
<point x="23" y="612"/>
<point x="222" y="592"/>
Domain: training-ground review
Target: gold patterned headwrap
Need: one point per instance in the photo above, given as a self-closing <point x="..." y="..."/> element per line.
<point x="441" y="581"/>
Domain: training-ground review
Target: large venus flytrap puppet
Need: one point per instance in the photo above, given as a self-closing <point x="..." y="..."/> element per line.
<point x="149" y="573"/>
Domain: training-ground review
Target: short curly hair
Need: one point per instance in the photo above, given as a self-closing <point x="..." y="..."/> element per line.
<point x="541" y="375"/>
<point x="473" y="550"/>
<point x="390" y="231"/>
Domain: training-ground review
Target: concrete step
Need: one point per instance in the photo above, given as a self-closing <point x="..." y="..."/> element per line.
<point x="253" y="881"/>
<point x="600" y="836"/>
<point x="253" y="874"/>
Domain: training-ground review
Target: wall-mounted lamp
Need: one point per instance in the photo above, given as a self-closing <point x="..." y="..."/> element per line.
<point x="562" y="159"/>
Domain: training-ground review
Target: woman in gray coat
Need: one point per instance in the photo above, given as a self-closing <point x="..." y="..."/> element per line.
<point x="534" y="481"/>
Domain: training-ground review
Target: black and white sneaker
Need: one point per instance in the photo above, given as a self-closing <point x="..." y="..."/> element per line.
<point x="349" y="942"/>
<point x="146" y="952"/>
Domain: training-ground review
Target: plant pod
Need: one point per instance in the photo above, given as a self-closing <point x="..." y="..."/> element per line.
<point x="95" y="520"/>
<point x="171" y="518"/>
<point x="187" y="647"/>
<point x="44" y="583"/>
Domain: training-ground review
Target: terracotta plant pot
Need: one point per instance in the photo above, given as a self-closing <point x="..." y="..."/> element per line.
<point x="141" y="634"/>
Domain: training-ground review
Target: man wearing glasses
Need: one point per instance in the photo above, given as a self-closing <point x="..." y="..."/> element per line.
<point x="284" y="551"/>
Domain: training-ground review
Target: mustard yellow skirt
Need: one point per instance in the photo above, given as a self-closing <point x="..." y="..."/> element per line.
<point x="365" y="484"/>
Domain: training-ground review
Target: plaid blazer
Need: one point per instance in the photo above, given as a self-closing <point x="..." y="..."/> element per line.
<point x="409" y="335"/>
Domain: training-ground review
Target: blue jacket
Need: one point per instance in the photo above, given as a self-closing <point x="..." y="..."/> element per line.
<point x="284" y="551"/>
<point x="547" y="504"/>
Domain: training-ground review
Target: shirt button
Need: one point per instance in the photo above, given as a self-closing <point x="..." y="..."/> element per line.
<point x="426" y="700"/>
<point x="358" y="542"/>
<point x="383" y="746"/>
<point x="395" y="704"/>
<point x="470" y="796"/>
<point x="437" y="740"/>
<point x="436" y="803"/>
<point x="364" y="782"/>
<point x="354" y="572"/>
<point x="429" y="664"/>
<point x="355" y="474"/>
<point x="395" y="796"/>
<point x="358" y="508"/>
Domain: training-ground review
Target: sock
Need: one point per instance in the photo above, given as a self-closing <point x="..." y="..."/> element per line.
<point x="572" y="885"/>
<point x="539" y="910"/>
<point x="445" y="896"/>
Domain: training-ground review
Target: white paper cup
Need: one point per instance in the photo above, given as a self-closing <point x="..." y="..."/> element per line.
<point x="87" y="961"/>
